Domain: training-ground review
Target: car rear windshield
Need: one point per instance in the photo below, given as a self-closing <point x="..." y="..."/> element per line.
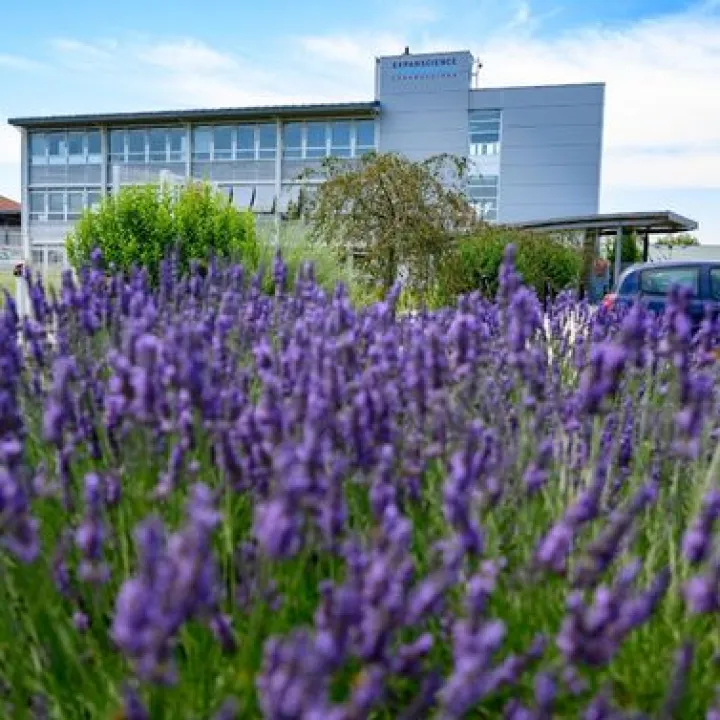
<point x="629" y="284"/>
<point x="659" y="281"/>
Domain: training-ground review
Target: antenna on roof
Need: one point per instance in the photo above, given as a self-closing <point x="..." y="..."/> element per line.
<point x="476" y="73"/>
<point x="407" y="50"/>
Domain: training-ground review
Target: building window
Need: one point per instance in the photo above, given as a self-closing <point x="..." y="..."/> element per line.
<point x="117" y="146"/>
<point x="177" y="145"/>
<point x="75" y="204"/>
<point x="316" y="140"/>
<point x="57" y="148"/>
<point x="292" y="141"/>
<point x="38" y="149"/>
<point x="158" y="145"/>
<point x="94" y="147"/>
<point x="136" y="146"/>
<point x="37" y="205"/>
<point x="485" y="132"/>
<point x="202" y="143"/>
<point x="62" y="205"/>
<point x="76" y="148"/>
<point x="267" y="141"/>
<point x="245" y="149"/>
<point x="340" y="143"/>
<point x="222" y="143"/>
<point x="56" y="206"/>
<point x="364" y="136"/>
<point x="483" y="196"/>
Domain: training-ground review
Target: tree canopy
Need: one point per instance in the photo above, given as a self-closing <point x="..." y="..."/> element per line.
<point x="394" y="214"/>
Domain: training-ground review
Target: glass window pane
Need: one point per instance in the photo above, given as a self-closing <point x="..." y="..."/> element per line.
<point x="246" y="142"/>
<point x="340" y="135"/>
<point x="222" y="143"/>
<point x="76" y="204"/>
<point x="201" y="143"/>
<point x="136" y="145"/>
<point x="158" y="149"/>
<point x="57" y="147"/>
<point x="117" y="145"/>
<point x="660" y="281"/>
<point x="94" y="198"/>
<point x="177" y="140"/>
<point x="316" y="140"/>
<point x="715" y="283"/>
<point x="75" y="144"/>
<point x="37" y="204"/>
<point x="267" y="141"/>
<point x="485" y="115"/>
<point x="94" y="145"/>
<point x="365" y="134"/>
<point x="56" y="206"/>
<point x="292" y="140"/>
<point x="484" y="137"/>
<point x="38" y="148"/>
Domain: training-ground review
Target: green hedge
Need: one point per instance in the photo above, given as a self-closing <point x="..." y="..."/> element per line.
<point x="543" y="261"/>
<point x="141" y="224"/>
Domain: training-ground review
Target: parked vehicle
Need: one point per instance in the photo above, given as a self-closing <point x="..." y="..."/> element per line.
<point x="650" y="283"/>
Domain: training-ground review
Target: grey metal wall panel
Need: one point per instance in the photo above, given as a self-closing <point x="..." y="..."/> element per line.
<point x="529" y="116"/>
<point x="537" y="96"/>
<point x="552" y="135"/>
<point x="550" y="155"/>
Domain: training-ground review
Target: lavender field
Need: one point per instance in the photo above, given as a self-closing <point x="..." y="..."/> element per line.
<point x="220" y="503"/>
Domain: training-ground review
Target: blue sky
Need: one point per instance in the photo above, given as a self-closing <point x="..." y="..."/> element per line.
<point x="660" y="60"/>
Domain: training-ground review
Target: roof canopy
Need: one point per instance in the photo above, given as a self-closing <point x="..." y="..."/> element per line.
<point x="269" y="112"/>
<point x="664" y="223"/>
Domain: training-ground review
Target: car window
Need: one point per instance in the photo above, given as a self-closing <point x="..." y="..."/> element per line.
<point x="715" y="283"/>
<point x="629" y="284"/>
<point x="659" y="281"/>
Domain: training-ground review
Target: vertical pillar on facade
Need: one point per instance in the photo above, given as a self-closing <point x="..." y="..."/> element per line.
<point x="104" y="159"/>
<point x="589" y="253"/>
<point x="278" y="177"/>
<point x="188" y="158"/>
<point x="646" y="246"/>
<point x="618" y="254"/>
<point x="21" y="291"/>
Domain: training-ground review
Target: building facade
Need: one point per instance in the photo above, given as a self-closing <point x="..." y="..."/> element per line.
<point x="533" y="152"/>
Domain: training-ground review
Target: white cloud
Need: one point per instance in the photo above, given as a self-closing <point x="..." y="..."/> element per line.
<point x="17" y="62"/>
<point x="9" y="143"/>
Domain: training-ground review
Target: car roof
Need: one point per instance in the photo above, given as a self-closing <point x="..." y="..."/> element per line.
<point x="637" y="267"/>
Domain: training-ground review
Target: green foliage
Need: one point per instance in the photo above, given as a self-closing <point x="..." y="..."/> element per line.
<point x="395" y="213"/>
<point x="631" y="252"/>
<point x="142" y="223"/>
<point x="473" y="264"/>
<point x="679" y="240"/>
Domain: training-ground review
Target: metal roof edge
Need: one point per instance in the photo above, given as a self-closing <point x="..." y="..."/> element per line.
<point x="151" y="116"/>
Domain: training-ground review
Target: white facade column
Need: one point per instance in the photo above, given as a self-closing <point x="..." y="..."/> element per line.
<point x="278" y="177"/>
<point x="105" y="159"/>
<point x="189" y="148"/>
<point x="21" y="291"/>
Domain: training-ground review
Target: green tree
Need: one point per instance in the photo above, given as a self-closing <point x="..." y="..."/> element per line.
<point x="679" y="240"/>
<point x="630" y="250"/>
<point x="141" y="224"/>
<point x="393" y="213"/>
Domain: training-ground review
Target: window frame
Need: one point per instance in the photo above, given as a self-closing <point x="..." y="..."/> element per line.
<point x="645" y="272"/>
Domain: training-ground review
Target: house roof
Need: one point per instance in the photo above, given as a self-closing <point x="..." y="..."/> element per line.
<point x="8" y="206"/>
<point x="267" y="112"/>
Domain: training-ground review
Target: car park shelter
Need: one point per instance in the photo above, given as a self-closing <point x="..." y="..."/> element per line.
<point x="593" y="227"/>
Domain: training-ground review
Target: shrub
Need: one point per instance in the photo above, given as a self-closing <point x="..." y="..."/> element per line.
<point x="140" y="225"/>
<point x="543" y="261"/>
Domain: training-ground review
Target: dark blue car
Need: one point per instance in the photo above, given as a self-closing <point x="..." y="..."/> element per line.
<point x="650" y="283"/>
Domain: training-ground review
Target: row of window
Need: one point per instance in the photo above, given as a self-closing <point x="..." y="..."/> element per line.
<point x="485" y="132"/>
<point x="62" y="205"/>
<point x="61" y="148"/>
<point x="483" y="194"/>
<point x="341" y="138"/>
